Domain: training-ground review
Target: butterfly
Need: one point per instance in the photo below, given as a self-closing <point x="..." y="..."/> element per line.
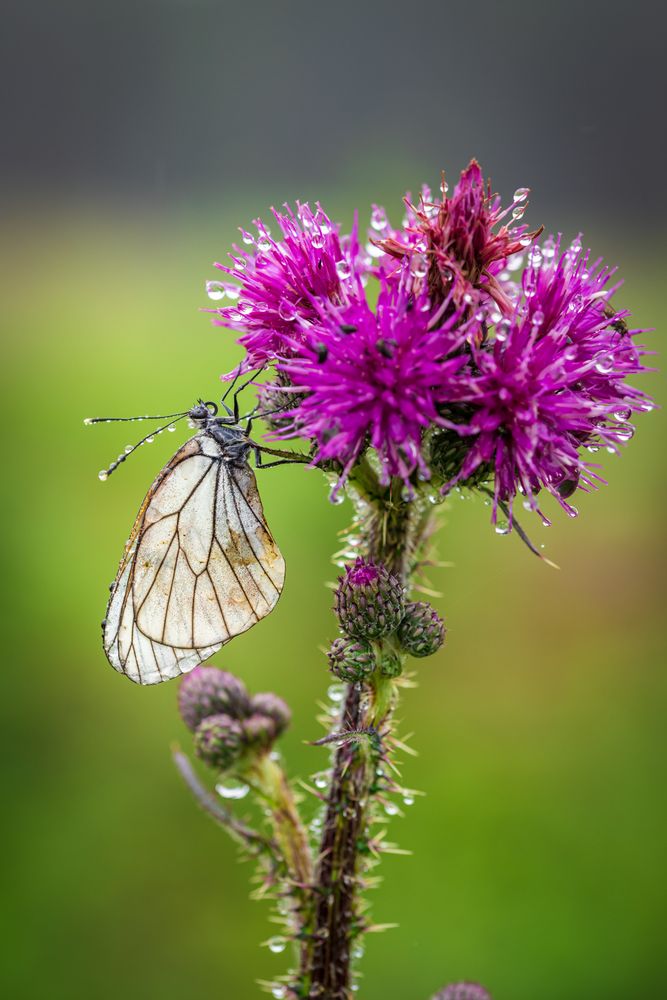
<point x="200" y="565"/>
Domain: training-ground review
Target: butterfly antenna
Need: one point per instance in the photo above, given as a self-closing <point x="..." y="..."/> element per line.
<point x="233" y="382"/>
<point x="120" y="420"/>
<point x="105" y="473"/>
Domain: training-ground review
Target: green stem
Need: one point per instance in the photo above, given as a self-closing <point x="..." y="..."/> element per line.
<point x="391" y="531"/>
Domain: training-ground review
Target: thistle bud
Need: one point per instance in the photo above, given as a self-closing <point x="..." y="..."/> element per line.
<point x="390" y="665"/>
<point x="463" y="991"/>
<point x="351" y="660"/>
<point x="207" y="691"/>
<point x="369" y="601"/>
<point x="220" y="741"/>
<point x="274" y="708"/>
<point x="260" y="731"/>
<point x="422" y="631"/>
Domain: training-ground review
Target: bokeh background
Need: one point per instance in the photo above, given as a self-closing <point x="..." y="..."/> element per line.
<point x="137" y="135"/>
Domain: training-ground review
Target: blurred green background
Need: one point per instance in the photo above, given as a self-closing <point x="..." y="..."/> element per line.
<point x="538" y="864"/>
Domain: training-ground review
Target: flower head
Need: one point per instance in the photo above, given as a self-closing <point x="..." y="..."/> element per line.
<point x="375" y="377"/>
<point x="463" y="991"/>
<point x="550" y="384"/>
<point x="455" y="243"/>
<point x="369" y="600"/>
<point x="279" y="280"/>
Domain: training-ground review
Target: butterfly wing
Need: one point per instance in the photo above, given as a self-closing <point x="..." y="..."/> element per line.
<point x="200" y="567"/>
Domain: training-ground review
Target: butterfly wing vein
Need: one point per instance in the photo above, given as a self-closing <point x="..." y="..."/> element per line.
<point x="200" y="567"/>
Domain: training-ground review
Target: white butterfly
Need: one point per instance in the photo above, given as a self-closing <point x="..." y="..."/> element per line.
<point x="200" y="566"/>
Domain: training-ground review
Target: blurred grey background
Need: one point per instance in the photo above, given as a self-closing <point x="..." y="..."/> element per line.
<point x="168" y="100"/>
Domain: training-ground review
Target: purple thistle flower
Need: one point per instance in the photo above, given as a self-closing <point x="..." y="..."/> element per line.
<point x="551" y="383"/>
<point x="453" y="242"/>
<point x="280" y="279"/>
<point x="376" y="378"/>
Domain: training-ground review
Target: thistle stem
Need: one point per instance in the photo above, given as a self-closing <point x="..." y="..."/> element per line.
<point x="391" y="532"/>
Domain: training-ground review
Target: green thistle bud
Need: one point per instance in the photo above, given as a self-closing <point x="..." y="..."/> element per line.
<point x="422" y="631"/>
<point x="208" y="691"/>
<point x="448" y="451"/>
<point x="274" y="708"/>
<point x="351" y="660"/>
<point x="369" y="601"/>
<point x="463" y="991"/>
<point x="390" y="665"/>
<point x="220" y="741"/>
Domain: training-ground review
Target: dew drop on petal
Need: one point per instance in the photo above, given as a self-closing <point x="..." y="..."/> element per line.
<point x="215" y="290"/>
<point x="287" y="311"/>
<point x="521" y="194"/>
<point x="343" y="269"/>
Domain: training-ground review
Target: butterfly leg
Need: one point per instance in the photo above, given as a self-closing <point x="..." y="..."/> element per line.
<point x="281" y="461"/>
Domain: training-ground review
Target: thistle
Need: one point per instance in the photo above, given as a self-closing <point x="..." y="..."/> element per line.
<point x="458" y="351"/>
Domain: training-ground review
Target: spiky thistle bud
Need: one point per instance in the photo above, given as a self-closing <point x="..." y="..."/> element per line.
<point x="390" y="665"/>
<point x="274" y="708"/>
<point x="207" y="691"/>
<point x="369" y="600"/>
<point x="220" y="741"/>
<point x="463" y="991"/>
<point x="422" y="631"/>
<point x="351" y="660"/>
<point x="260" y="731"/>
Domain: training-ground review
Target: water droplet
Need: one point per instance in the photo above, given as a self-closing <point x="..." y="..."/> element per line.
<point x="287" y="311"/>
<point x="88" y="421"/>
<point x="336" y="692"/>
<point x="215" y="290"/>
<point x="278" y="992"/>
<point x="263" y="244"/>
<point x="102" y="475"/>
<point x="321" y="780"/>
<point x="391" y="808"/>
<point x="150" y="439"/>
<point x="515" y="262"/>
<point x="276" y="944"/>
<point x="232" y="789"/>
<point x="502" y="528"/>
<point x="419" y="266"/>
<point x="521" y="194"/>
<point x="538" y="318"/>
<point x="232" y="292"/>
<point x="343" y="269"/>
<point x="518" y="212"/>
<point x="379" y="219"/>
<point x="247" y="238"/>
<point x="622" y="415"/>
<point x="171" y="427"/>
<point x="408" y="800"/>
<point x="317" y="239"/>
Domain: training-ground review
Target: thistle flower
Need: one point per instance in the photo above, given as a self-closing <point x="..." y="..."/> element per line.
<point x="272" y="707"/>
<point x="351" y="660"/>
<point x="369" y="601"/>
<point x="549" y="385"/>
<point x="422" y="630"/>
<point x="220" y="741"/>
<point x="454" y="242"/>
<point x="463" y="991"/>
<point x="280" y="279"/>
<point x="376" y="378"/>
<point x="207" y="691"/>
